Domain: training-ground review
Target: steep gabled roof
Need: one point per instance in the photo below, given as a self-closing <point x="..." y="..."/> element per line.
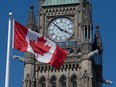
<point x="59" y="2"/>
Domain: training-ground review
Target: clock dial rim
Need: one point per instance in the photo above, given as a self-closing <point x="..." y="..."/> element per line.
<point x="63" y="34"/>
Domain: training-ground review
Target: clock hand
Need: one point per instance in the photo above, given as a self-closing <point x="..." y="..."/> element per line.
<point x="60" y="28"/>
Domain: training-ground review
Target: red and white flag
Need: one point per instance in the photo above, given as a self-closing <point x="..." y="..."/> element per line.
<point x="46" y="51"/>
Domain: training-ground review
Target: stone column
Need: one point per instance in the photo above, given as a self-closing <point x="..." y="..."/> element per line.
<point x="29" y="69"/>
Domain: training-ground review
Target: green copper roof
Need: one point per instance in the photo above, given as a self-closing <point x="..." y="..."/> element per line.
<point x="59" y="2"/>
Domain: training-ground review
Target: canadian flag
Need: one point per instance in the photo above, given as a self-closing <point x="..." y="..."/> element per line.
<point x="46" y="51"/>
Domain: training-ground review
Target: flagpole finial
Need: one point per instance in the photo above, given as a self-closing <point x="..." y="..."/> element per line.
<point x="10" y="14"/>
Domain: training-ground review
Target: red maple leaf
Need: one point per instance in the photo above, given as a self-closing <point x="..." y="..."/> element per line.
<point x="39" y="46"/>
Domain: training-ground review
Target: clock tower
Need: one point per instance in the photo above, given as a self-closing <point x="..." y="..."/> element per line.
<point x="69" y="24"/>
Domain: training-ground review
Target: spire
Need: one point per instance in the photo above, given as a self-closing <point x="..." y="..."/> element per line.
<point x="85" y="1"/>
<point x="31" y="20"/>
<point x="97" y="44"/>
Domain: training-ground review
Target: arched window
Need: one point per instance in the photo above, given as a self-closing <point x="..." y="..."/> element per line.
<point x="43" y="84"/>
<point x="74" y="83"/>
<point x="42" y="81"/>
<point x="73" y="80"/>
<point x="53" y="84"/>
<point x="63" y="81"/>
<point x="53" y="81"/>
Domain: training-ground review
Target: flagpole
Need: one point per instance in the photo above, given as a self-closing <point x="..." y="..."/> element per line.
<point x="8" y="52"/>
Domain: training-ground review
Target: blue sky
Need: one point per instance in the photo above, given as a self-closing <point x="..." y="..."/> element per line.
<point x="104" y="14"/>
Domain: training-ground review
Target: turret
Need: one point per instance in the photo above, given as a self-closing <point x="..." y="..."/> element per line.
<point x="86" y="46"/>
<point x="29" y="60"/>
<point x="97" y="59"/>
<point x="86" y="27"/>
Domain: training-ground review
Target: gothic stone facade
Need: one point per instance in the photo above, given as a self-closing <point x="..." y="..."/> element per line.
<point x="79" y="69"/>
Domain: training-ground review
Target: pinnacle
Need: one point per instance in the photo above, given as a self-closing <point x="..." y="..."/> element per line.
<point x="31" y="20"/>
<point x="97" y="27"/>
<point x="32" y="7"/>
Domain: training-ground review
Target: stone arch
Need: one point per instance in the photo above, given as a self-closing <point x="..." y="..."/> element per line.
<point x="73" y="80"/>
<point x="62" y="81"/>
<point x="85" y="78"/>
<point x="53" y="81"/>
<point x="27" y="81"/>
<point x="42" y="81"/>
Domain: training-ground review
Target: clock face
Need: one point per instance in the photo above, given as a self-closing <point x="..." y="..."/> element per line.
<point x="60" y="29"/>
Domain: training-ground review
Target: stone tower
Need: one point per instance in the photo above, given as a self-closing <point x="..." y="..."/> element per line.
<point x="69" y="24"/>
